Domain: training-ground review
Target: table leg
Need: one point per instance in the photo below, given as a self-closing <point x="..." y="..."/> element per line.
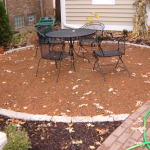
<point x="72" y="49"/>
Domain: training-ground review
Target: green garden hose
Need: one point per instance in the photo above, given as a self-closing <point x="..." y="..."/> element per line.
<point x="144" y="134"/>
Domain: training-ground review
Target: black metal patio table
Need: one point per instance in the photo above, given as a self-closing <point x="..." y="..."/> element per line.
<point x="70" y="34"/>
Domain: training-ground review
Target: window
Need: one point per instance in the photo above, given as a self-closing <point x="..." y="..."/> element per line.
<point x="103" y="2"/>
<point x="31" y="18"/>
<point x="19" y="21"/>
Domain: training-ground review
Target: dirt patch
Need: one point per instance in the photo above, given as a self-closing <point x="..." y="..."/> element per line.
<point x="22" y="91"/>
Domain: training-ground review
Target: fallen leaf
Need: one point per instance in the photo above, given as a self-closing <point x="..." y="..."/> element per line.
<point x="70" y="129"/>
<point x="70" y="124"/>
<point x="78" y="80"/>
<point x="82" y="97"/>
<point x="140" y="129"/>
<point x="110" y="90"/>
<point x="134" y="123"/>
<point x="92" y="147"/>
<point x="44" y="106"/>
<point x="90" y="125"/>
<point x="138" y="103"/>
<point x="74" y="87"/>
<point x="88" y="93"/>
<point x="70" y="71"/>
<point x="25" y="107"/>
<point x="147" y="120"/>
<point x="139" y="64"/>
<point x="103" y="131"/>
<point x="133" y="74"/>
<point x="98" y="106"/>
<point x="144" y="76"/>
<point x="77" y="142"/>
<point x="97" y="143"/>
<point x="108" y="111"/>
<point x="146" y="81"/>
<point x="82" y="105"/>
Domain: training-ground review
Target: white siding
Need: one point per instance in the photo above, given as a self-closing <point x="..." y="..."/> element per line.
<point x="121" y="13"/>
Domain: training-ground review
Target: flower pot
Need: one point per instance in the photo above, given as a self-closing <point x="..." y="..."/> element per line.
<point x="1" y="50"/>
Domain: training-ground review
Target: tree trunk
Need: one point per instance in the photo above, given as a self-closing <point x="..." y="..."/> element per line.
<point x="58" y="14"/>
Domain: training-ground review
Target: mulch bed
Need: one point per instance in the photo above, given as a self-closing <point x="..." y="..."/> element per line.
<point x="56" y="136"/>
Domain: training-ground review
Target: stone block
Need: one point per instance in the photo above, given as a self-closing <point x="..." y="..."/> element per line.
<point x="81" y="119"/>
<point x="64" y="119"/>
<point x="3" y="140"/>
<point x="102" y="119"/>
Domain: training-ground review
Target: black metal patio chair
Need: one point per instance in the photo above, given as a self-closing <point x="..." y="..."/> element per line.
<point x="88" y="41"/>
<point x="116" y="50"/>
<point x="41" y="31"/>
<point x="56" y="54"/>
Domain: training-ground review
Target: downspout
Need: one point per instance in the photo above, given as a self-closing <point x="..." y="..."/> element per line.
<point x="41" y="5"/>
<point x="5" y="1"/>
<point x="63" y="17"/>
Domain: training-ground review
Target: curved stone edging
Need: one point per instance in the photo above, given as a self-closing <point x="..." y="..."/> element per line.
<point x="17" y="49"/>
<point x="64" y="119"/>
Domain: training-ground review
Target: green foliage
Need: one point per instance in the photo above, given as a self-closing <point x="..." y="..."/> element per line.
<point x="5" y="29"/>
<point x="17" y="138"/>
<point x="57" y="23"/>
<point x="20" y="38"/>
<point x="125" y="32"/>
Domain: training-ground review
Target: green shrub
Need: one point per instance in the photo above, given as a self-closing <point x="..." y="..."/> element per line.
<point x="17" y="139"/>
<point x="125" y="32"/>
<point x="5" y="29"/>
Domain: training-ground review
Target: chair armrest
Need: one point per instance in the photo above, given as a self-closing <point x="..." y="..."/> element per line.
<point x="40" y="34"/>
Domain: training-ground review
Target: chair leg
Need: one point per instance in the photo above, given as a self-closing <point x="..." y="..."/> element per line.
<point x="38" y="67"/>
<point x="49" y="47"/>
<point x="36" y="51"/>
<point x="72" y="61"/>
<point x="94" y="65"/>
<point x="59" y="70"/>
<point x="96" y="62"/>
<point x="56" y="64"/>
<point x="117" y="62"/>
<point x="101" y="71"/>
<point x="125" y="66"/>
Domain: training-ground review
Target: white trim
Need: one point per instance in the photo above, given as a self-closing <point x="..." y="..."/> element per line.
<point x="63" y="13"/>
<point x="118" y="27"/>
<point x="107" y="27"/>
<point x="103" y="2"/>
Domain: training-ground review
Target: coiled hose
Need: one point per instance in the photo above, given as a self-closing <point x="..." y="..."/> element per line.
<point x="144" y="134"/>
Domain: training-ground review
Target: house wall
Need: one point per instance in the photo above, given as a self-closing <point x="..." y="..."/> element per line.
<point x="25" y="7"/>
<point x="117" y="17"/>
<point x="48" y="8"/>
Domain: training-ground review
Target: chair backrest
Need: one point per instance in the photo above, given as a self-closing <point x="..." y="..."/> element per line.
<point x="42" y="30"/>
<point x="117" y="45"/>
<point x="98" y="26"/>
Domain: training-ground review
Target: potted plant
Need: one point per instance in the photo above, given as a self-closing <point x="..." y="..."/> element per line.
<point x="1" y="50"/>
